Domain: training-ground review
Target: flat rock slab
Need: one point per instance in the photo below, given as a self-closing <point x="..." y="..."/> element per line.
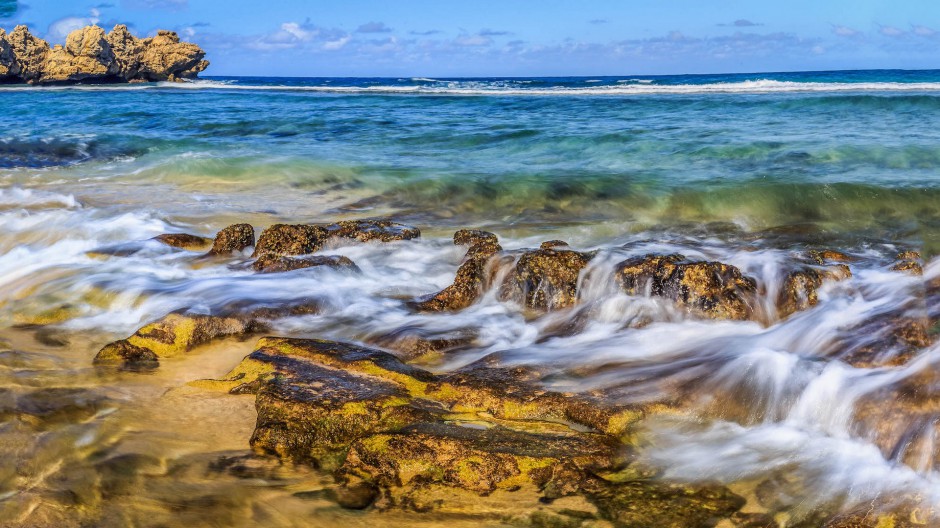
<point x="395" y="435"/>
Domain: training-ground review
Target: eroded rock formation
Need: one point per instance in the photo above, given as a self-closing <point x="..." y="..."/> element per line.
<point x="92" y="56"/>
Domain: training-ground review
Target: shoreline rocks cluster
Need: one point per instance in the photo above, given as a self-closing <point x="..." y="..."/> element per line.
<point x="94" y="57"/>
<point x="397" y="436"/>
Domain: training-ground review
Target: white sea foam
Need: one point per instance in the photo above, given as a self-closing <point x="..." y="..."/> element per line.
<point x="20" y="197"/>
<point x="501" y="88"/>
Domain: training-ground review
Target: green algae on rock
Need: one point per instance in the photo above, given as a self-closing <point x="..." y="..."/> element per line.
<point x="178" y="333"/>
<point x="173" y="335"/>
<point x="399" y="435"/>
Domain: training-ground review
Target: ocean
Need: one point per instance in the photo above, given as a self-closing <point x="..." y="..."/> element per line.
<point x="754" y="170"/>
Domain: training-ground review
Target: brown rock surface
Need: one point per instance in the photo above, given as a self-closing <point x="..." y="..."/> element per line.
<point x="90" y="55"/>
<point x="709" y="289"/>
<point x="473" y="276"/>
<point x="9" y="68"/>
<point x="406" y="438"/>
<point x="86" y="55"/>
<point x="276" y="263"/>
<point x="184" y="241"/>
<point x="545" y="279"/>
<point x="30" y="53"/>
<point x="127" y="51"/>
<point x="165" y="58"/>
<point x="799" y="290"/>
<point x="234" y="238"/>
<point x="302" y="239"/>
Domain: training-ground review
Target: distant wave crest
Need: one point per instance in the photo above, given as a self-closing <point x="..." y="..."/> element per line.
<point x="502" y="88"/>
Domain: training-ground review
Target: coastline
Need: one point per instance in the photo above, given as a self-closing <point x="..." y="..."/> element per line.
<point x="677" y="309"/>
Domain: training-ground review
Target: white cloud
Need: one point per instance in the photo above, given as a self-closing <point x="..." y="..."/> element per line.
<point x="890" y="31"/>
<point x="333" y="45"/>
<point x="844" y="31"/>
<point x="473" y="40"/>
<point x="923" y="31"/>
<point x="289" y="35"/>
<point x="60" y="29"/>
<point x="298" y="31"/>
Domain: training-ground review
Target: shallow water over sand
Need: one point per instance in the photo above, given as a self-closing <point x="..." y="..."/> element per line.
<point x="780" y="408"/>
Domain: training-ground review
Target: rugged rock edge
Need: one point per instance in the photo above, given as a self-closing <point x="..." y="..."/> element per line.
<point x="92" y="56"/>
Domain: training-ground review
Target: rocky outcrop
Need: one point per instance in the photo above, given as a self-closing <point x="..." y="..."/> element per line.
<point x="800" y="287"/>
<point x="546" y="279"/>
<point x="396" y="436"/>
<point x="29" y="54"/>
<point x="710" y="289"/>
<point x="276" y="263"/>
<point x="473" y="276"/>
<point x="92" y="56"/>
<point x="908" y="262"/>
<point x="174" y="335"/>
<point x="303" y="239"/>
<point x="165" y="58"/>
<point x="86" y="55"/>
<point x="232" y="239"/>
<point x="184" y="241"/>
<point x="9" y="68"/>
<point x="182" y="332"/>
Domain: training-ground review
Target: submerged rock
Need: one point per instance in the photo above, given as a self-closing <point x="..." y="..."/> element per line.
<point x="874" y="515"/>
<point x="799" y="290"/>
<point x="276" y="263"/>
<point x="908" y="262"/>
<point x="828" y="256"/>
<point x="710" y="289"/>
<point x="303" y="239"/>
<point x="416" y="345"/>
<point x="90" y="55"/>
<point x="42" y="408"/>
<point x="184" y="241"/>
<point x="232" y="239"/>
<point x="903" y="420"/>
<point x="473" y="276"/>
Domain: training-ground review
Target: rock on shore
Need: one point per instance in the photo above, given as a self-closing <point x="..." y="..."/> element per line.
<point x="92" y="56"/>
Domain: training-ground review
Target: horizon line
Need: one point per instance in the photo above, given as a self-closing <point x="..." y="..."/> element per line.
<point x="429" y="76"/>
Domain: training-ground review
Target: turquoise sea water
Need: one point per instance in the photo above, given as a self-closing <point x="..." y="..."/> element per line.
<point x="749" y="169"/>
<point x="762" y="149"/>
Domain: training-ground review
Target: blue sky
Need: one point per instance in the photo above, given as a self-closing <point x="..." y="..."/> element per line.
<point x="518" y="37"/>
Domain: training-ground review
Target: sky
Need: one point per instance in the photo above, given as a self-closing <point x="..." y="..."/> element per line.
<point x="458" y="38"/>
